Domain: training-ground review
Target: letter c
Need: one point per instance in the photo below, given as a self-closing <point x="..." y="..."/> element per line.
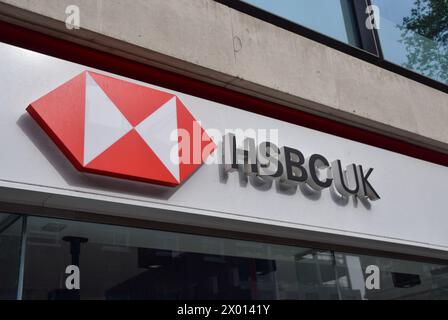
<point x="312" y="165"/>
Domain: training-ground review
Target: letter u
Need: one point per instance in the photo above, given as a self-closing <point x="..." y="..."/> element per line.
<point x="344" y="178"/>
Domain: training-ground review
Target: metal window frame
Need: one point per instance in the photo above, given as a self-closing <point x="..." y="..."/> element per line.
<point x="370" y="40"/>
<point x="21" y="275"/>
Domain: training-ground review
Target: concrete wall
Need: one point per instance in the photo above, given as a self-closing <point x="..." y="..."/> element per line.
<point x="214" y="43"/>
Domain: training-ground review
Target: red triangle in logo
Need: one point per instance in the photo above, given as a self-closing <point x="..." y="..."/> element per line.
<point x="201" y="145"/>
<point x="136" y="102"/>
<point x="61" y="114"/>
<point x="130" y="157"/>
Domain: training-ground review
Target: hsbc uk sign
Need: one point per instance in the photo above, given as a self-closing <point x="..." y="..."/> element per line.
<point x="288" y="166"/>
<point x="118" y="128"/>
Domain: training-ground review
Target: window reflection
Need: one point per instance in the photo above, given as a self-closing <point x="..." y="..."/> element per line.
<point x="334" y="18"/>
<point x="128" y="263"/>
<point x="414" y="34"/>
<point x="399" y="279"/>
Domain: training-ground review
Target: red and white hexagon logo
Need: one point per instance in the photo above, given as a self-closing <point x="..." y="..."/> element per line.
<point x="118" y="128"/>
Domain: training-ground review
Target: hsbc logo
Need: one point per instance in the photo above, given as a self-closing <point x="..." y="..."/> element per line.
<point x="114" y="127"/>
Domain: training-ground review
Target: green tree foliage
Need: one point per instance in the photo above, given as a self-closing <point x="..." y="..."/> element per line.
<point x="425" y="35"/>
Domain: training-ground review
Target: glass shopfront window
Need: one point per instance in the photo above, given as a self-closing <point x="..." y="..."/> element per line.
<point x="334" y="18"/>
<point x="414" y="35"/>
<point x="399" y="279"/>
<point x="127" y="263"/>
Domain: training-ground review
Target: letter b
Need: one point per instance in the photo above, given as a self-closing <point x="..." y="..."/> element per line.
<point x="293" y="164"/>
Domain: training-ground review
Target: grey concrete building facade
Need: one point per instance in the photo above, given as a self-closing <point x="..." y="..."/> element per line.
<point x="209" y="41"/>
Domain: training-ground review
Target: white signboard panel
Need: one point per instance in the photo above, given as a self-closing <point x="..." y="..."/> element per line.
<point x="412" y="209"/>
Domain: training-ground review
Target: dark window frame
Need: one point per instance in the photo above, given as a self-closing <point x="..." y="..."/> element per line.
<point x="370" y="41"/>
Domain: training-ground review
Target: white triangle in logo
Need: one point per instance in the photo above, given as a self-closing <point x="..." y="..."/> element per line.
<point x="157" y="129"/>
<point x="104" y="123"/>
